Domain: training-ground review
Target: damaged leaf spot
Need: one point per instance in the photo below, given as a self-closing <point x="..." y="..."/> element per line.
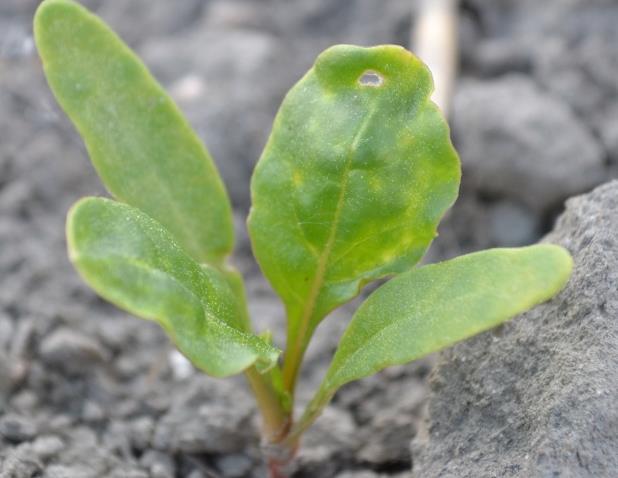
<point x="371" y="78"/>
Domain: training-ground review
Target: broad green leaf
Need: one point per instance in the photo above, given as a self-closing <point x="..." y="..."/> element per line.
<point x="432" y="307"/>
<point x="353" y="181"/>
<point x="132" y="261"/>
<point x="140" y="143"/>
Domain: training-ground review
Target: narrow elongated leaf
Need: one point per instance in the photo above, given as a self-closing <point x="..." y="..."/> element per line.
<point x="132" y="261"/>
<point x="141" y="145"/>
<point x="357" y="173"/>
<point x="430" y="308"/>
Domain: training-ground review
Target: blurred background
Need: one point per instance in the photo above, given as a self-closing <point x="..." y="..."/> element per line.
<point x="531" y="90"/>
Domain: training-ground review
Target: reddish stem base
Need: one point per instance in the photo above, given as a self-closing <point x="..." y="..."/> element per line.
<point x="279" y="459"/>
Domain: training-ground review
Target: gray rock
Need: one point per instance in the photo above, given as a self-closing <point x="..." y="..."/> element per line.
<point x="197" y="474"/>
<point x="25" y="402"/>
<point x="609" y="133"/>
<point x="370" y="474"/>
<point x="512" y="224"/>
<point x="15" y="40"/>
<point x="567" y="46"/>
<point x="495" y="57"/>
<point x="203" y="420"/>
<point x="538" y="397"/>
<point x="331" y="441"/>
<point x="67" y="471"/>
<point x="6" y="333"/>
<point x="234" y="465"/>
<point x="517" y="142"/>
<point x="47" y="446"/>
<point x="141" y="431"/>
<point x="386" y="408"/>
<point x="155" y="18"/>
<point x="5" y="378"/>
<point x="92" y="412"/>
<point x="580" y="55"/>
<point x="160" y="465"/>
<point x="17" y="429"/>
<point x="71" y="351"/>
<point x="359" y="474"/>
<point x="128" y="471"/>
<point x="20" y="463"/>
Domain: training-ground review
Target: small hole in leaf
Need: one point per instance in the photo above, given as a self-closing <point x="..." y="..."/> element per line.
<point x="371" y="78"/>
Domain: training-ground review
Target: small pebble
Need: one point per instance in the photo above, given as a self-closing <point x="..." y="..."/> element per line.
<point x="128" y="473"/>
<point x="159" y="464"/>
<point x="92" y="412"/>
<point x="234" y="465"/>
<point x="141" y="430"/>
<point x="71" y="351"/>
<point x="19" y="463"/>
<point x="6" y="332"/>
<point x="512" y="224"/>
<point x="70" y="471"/>
<point x="17" y="429"/>
<point x="47" y="446"/>
<point x="25" y="401"/>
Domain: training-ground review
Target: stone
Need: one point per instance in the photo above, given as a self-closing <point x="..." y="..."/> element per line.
<point x="47" y="446"/>
<point x="203" y="420"/>
<point x="234" y="465"/>
<point x="359" y="474"/>
<point x="496" y="57"/>
<point x="5" y="378"/>
<point x="371" y="474"/>
<point x="609" y="133"/>
<point x="140" y="432"/>
<point x="70" y="350"/>
<point x="566" y="47"/>
<point x="160" y="465"/>
<point x="92" y="412"/>
<point x="128" y="471"/>
<point x="517" y="142"/>
<point x="155" y="18"/>
<point x="15" y="40"/>
<point x="581" y="57"/>
<point x="538" y="396"/>
<point x="17" y="429"/>
<point x="20" y="463"/>
<point x="25" y="402"/>
<point x="512" y="224"/>
<point x="332" y="440"/>
<point x="6" y="332"/>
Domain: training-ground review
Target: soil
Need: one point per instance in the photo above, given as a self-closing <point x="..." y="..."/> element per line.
<point x="87" y="391"/>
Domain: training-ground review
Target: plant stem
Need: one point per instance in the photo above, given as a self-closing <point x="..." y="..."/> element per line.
<point x="291" y="366"/>
<point x="279" y="451"/>
<point x="279" y="457"/>
<point x="276" y="420"/>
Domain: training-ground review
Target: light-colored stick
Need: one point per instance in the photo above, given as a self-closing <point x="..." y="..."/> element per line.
<point x="434" y="40"/>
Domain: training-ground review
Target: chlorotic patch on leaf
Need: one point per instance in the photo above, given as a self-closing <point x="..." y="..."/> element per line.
<point x="357" y="173"/>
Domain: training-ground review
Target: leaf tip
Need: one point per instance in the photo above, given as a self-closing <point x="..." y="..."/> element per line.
<point x="562" y="260"/>
<point x="48" y="11"/>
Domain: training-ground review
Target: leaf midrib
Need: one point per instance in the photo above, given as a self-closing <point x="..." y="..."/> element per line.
<point x="318" y="281"/>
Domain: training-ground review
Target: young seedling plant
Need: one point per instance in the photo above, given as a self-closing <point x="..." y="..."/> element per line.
<point x="350" y="188"/>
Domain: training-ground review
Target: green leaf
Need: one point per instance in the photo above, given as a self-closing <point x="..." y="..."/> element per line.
<point x="352" y="182"/>
<point x="132" y="261"/>
<point x="140" y="143"/>
<point x="433" y="307"/>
